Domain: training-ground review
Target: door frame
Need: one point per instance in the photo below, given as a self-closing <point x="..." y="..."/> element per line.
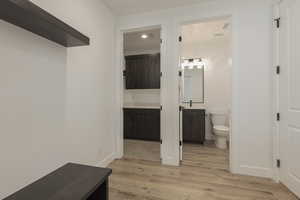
<point x="119" y="142"/>
<point x="232" y="149"/>
<point x="275" y="92"/>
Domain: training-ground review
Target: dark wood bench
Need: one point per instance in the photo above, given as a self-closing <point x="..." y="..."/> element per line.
<point x="70" y="182"/>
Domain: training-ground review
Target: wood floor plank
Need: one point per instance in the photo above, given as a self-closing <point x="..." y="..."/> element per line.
<point x="203" y="175"/>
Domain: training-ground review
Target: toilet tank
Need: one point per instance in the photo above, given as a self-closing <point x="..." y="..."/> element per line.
<point x="219" y="118"/>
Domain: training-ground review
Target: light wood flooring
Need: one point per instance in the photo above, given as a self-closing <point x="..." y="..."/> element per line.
<point x="142" y="150"/>
<point x="203" y="176"/>
<point x="207" y="156"/>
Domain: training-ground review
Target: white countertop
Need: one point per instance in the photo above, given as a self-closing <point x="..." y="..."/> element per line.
<point x="142" y="106"/>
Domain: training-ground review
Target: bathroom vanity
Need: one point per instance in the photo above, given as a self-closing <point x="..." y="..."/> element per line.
<point x="193" y="125"/>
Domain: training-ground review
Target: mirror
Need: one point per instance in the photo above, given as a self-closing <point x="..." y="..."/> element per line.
<point x="193" y="80"/>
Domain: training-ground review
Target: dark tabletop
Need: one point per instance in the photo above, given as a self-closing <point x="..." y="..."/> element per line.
<point x="70" y="182"/>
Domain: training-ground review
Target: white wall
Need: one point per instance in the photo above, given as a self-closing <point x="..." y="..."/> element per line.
<point x="142" y="97"/>
<point x="251" y="150"/>
<point x="55" y="103"/>
<point x="217" y="75"/>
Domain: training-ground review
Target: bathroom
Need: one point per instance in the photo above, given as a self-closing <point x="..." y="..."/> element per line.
<point x="205" y="89"/>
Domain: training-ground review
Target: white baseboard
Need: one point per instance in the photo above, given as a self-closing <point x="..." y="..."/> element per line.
<point x="106" y="161"/>
<point x="254" y="171"/>
<point x="170" y="162"/>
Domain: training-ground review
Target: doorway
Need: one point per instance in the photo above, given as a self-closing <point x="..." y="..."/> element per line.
<point x="205" y="93"/>
<point x="142" y="94"/>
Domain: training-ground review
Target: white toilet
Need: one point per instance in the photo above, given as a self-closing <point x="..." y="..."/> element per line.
<point x="220" y="128"/>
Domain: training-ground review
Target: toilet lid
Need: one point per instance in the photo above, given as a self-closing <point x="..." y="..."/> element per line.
<point x="221" y="128"/>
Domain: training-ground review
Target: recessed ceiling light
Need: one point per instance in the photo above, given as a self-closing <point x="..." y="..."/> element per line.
<point x="144" y="36"/>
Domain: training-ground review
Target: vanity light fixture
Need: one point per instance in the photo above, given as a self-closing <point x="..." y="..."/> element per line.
<point x="196" y="63"/>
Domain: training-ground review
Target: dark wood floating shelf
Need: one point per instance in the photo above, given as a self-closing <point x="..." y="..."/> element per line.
<point x="29" y="16"/>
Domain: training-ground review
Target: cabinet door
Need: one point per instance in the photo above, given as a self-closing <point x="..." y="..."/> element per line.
<point x="148" y="124"/>
<point x="153" y="71"/>
<point x="143" y="71"/>
<point x="193" y="126"/>
<point x="142" y="124"/>
<point x="135" y="74"/>
<point x="129" y="124"/>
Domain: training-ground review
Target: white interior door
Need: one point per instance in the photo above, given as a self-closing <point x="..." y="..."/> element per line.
<point x="289" y="94"/>
<point x="180" y="99"/>
<point x="181" y="82"/>
<point x="162" y="120"/>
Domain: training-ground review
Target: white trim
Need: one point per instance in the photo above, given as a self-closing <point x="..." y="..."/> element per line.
<point x="106" y="161"/>
<point x="162" y="90"/>
<point x="177" y="61"/>
<point x="232" y="157"/>
<point x="255" y="171"/>
<point x="119" y="95"/>
<point x="275" y="91"/>
<point x="120" y="86"/>
<point x="170" y="161"/>
<point x="234" y="129"/>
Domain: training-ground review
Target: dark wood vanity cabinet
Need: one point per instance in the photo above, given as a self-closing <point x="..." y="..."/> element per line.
<point x="142" y="124"/>
<point x="193" y="126"/>
<point x="142" y="71"/>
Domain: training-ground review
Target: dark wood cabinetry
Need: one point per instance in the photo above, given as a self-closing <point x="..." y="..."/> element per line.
<point x="193" y="126"/>
<point x="142" y="124"/>
<point x="143" y="71"/>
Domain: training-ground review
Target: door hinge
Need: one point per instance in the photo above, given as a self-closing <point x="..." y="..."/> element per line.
<point x="180" y="38"/>
<point x="191" y="103"/>
<point x="161" y="41"/>
<point x="278" y="70"/>
<point x="160" y="141"/>
<point x="160" y="107"/>
<point x="124" y="72"/>
<point x="180" y="73"/>
<point x="160" y="74"/>
<point x="277" y="21"/>
<point x="278" y="163"/>
<point x="180" y="108"/>
<point x="180" y="143"/>
<point x="278" y="116"/>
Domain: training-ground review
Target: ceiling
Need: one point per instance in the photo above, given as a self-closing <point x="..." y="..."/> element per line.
<point x="206" y="31"/>
<point x="199" y="33"/>
<point x="126" y="7"/>
<point x="134" y="43"/>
